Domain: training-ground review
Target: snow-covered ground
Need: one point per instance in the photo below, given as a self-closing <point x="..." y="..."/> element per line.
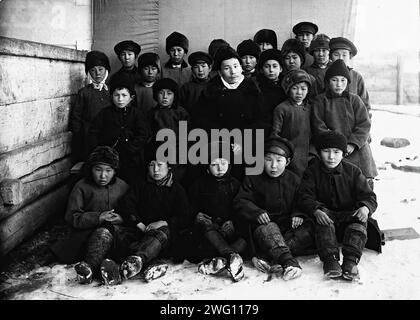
<point x="394" y="274"/>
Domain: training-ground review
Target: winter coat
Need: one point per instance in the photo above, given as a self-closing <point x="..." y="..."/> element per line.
<point x="179" y="75"/>
<point x="319" y="75"/>
<point x="357" y="86"/>
<point x="166" y="118"/>
<point x="190" y="92"/>
<point x="347" y="115"/>
<point x="89" y="102"/>
<point x="127" y="131"/>
<point x="144" y="97"/>
<point x="344" y="188"/>
<point x="133" y="74"/>
<point x="292" y="122"/>
<point x="309" y="60"/>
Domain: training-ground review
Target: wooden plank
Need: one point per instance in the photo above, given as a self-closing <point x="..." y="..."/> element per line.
<point x="17" y="47"/>
<point x="400" y="234"/>
<point x="22" y="224"/>
<point x="38" y="183"/>
<point x="28" y="79"/>
<point x="20" y="162"/>
<point x="25" y="123"/>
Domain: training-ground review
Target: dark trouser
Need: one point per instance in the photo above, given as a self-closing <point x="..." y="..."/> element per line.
<point x="151" y="244"/>
<point x="98" y="246"/>
<point x="347" y="228"/>
<point x="301" y="241"/>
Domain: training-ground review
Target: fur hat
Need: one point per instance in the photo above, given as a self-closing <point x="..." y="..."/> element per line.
<point x="176" y="39"/>
<point x="149" y="59"/>
<point x="248" y="47"/>
<point x="270" y="54"/>
<point x="96" y="58"/>
<point x="127" y="45"/>
<point x="331" y="139"/>
<point x="305" y="26"/>
<point x="199" y="56"/>
<point x="103" y="155"/>
<point x="121" y="80"/>
<point x="320" y="42"/>
<point x="342" y="43"/>
<point x="223" y="54"/>
<point x="295" y="76"/>
<point x="337" y="68"/>
<point x="266" y="35"/>
<point x="215" y="45"/>
<point x="166" y="83"/>
<point x="295" y="46"/>
<point x="279" y="145"/>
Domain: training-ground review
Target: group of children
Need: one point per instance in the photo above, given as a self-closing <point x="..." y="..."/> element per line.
<point x="131" y="209"/>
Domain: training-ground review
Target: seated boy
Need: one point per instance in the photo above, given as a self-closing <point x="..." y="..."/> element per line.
<point x="127" y="52"/>
<point x="266" y="39"/>
<point x="305" y="32"/>
<point x="265" y="203"/>
<point x="211" y="200"/>
<point x="249" y="52"/>
<point x="176" y="68"/>
<point x="337" y="195"/>
<point x="149" y="70"/>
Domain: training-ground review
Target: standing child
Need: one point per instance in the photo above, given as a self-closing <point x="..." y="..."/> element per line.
<point x="291" y="118"/>
<point x="249" y="52"/>
<point x="305" y="32"/>
<point x="90" y="100"/>
<point x="149" y="70"/>
<point x="215" y="45"/>
<point x="265" y="203"/>
<point x="123" y="127"/>
<point x="176" y="68"/>
<point x="127" y="52"/>
<point x="92" y="216"/>
<point x="337" y="195"/>
<point x="211" y="200"/>
<point x="266" y="39"/>
<point x="320" y="50"/>
<point x="339" y="110"/>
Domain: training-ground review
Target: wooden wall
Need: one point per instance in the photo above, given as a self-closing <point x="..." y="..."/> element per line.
<point x="38" y="86"/>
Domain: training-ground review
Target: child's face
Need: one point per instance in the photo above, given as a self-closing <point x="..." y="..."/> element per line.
<point x="305" y="38"/>
<point x="128" y="59"/>
<point x="158" y="170"/>
<point x="265" y="46"/>
<point x="274" y="164"/>
<point x="97" y="73"/>
<point x="331" y="157"/>
<point x="176" y="54"/>
<point x="218" y="167"/>
<point x="149" y="73"/>
<point x="231" y="70"/>
<point x="121" y="97"/>
<point x="248" y="62"/>
<point x="298" y="92"/>
<point x="321" y="56"/>
<point x="271" y="69"/>
<point x="292" y="61"/>
<point x="102" y="174"/>
<point x="338" y="84"/>
<point x="201" y="70"/>
<point x="166" y="98"/>
<point x="342" y="54"/>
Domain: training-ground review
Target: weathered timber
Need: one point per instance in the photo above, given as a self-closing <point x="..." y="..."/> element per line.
<point x="11" y="191"/>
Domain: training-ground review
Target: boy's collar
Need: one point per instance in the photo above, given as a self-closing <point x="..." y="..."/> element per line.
<point x="337" y="170"/>
<point x="330" y="94"/>
<point x="169" y="64"/>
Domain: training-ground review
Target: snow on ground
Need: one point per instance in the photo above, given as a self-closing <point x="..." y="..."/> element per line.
<point x="390" y="275"/>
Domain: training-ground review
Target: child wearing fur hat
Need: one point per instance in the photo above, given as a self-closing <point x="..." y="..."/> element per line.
<point x="266" y="39"/>
<point x="201" y="64"/>
<point x="249" y="51"/>
<point x="123" y="127"/>
<point x="211" y="200"/>
<point x="338" y="197"/>
<point x="157" y="210"/>
<point x="176" y="68"/>
<point x="291" y="118"/>
<point x="305" y="32"/>
<point x="337" y="109"/>
<point x="149" y="70"/>
<point x="265" y="206"/>
<point x="91" y="99"/>
<point x="215" y="45"/>
<point x="320" y="50"/>
<point x="92" y="213"/>
<point x="127" y="52"/>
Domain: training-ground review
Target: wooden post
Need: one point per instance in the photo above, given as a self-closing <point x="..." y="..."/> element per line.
<point x="400" y="86"/>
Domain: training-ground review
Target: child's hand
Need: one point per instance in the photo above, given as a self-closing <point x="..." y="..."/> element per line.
<point x="116" y="219"/>
<point x="236" y="148"/>
<point x="362" y="214"/>
<point x="296" y="222"/>
<point x="350" y="149"/>
<point x="263" y="218"/>
<point x="141" y="226"/>
<point x="106" y="216"/>
<point x="323" y="218"/>
<point x="156" y="225"/>
<point x="202" y="216"/>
